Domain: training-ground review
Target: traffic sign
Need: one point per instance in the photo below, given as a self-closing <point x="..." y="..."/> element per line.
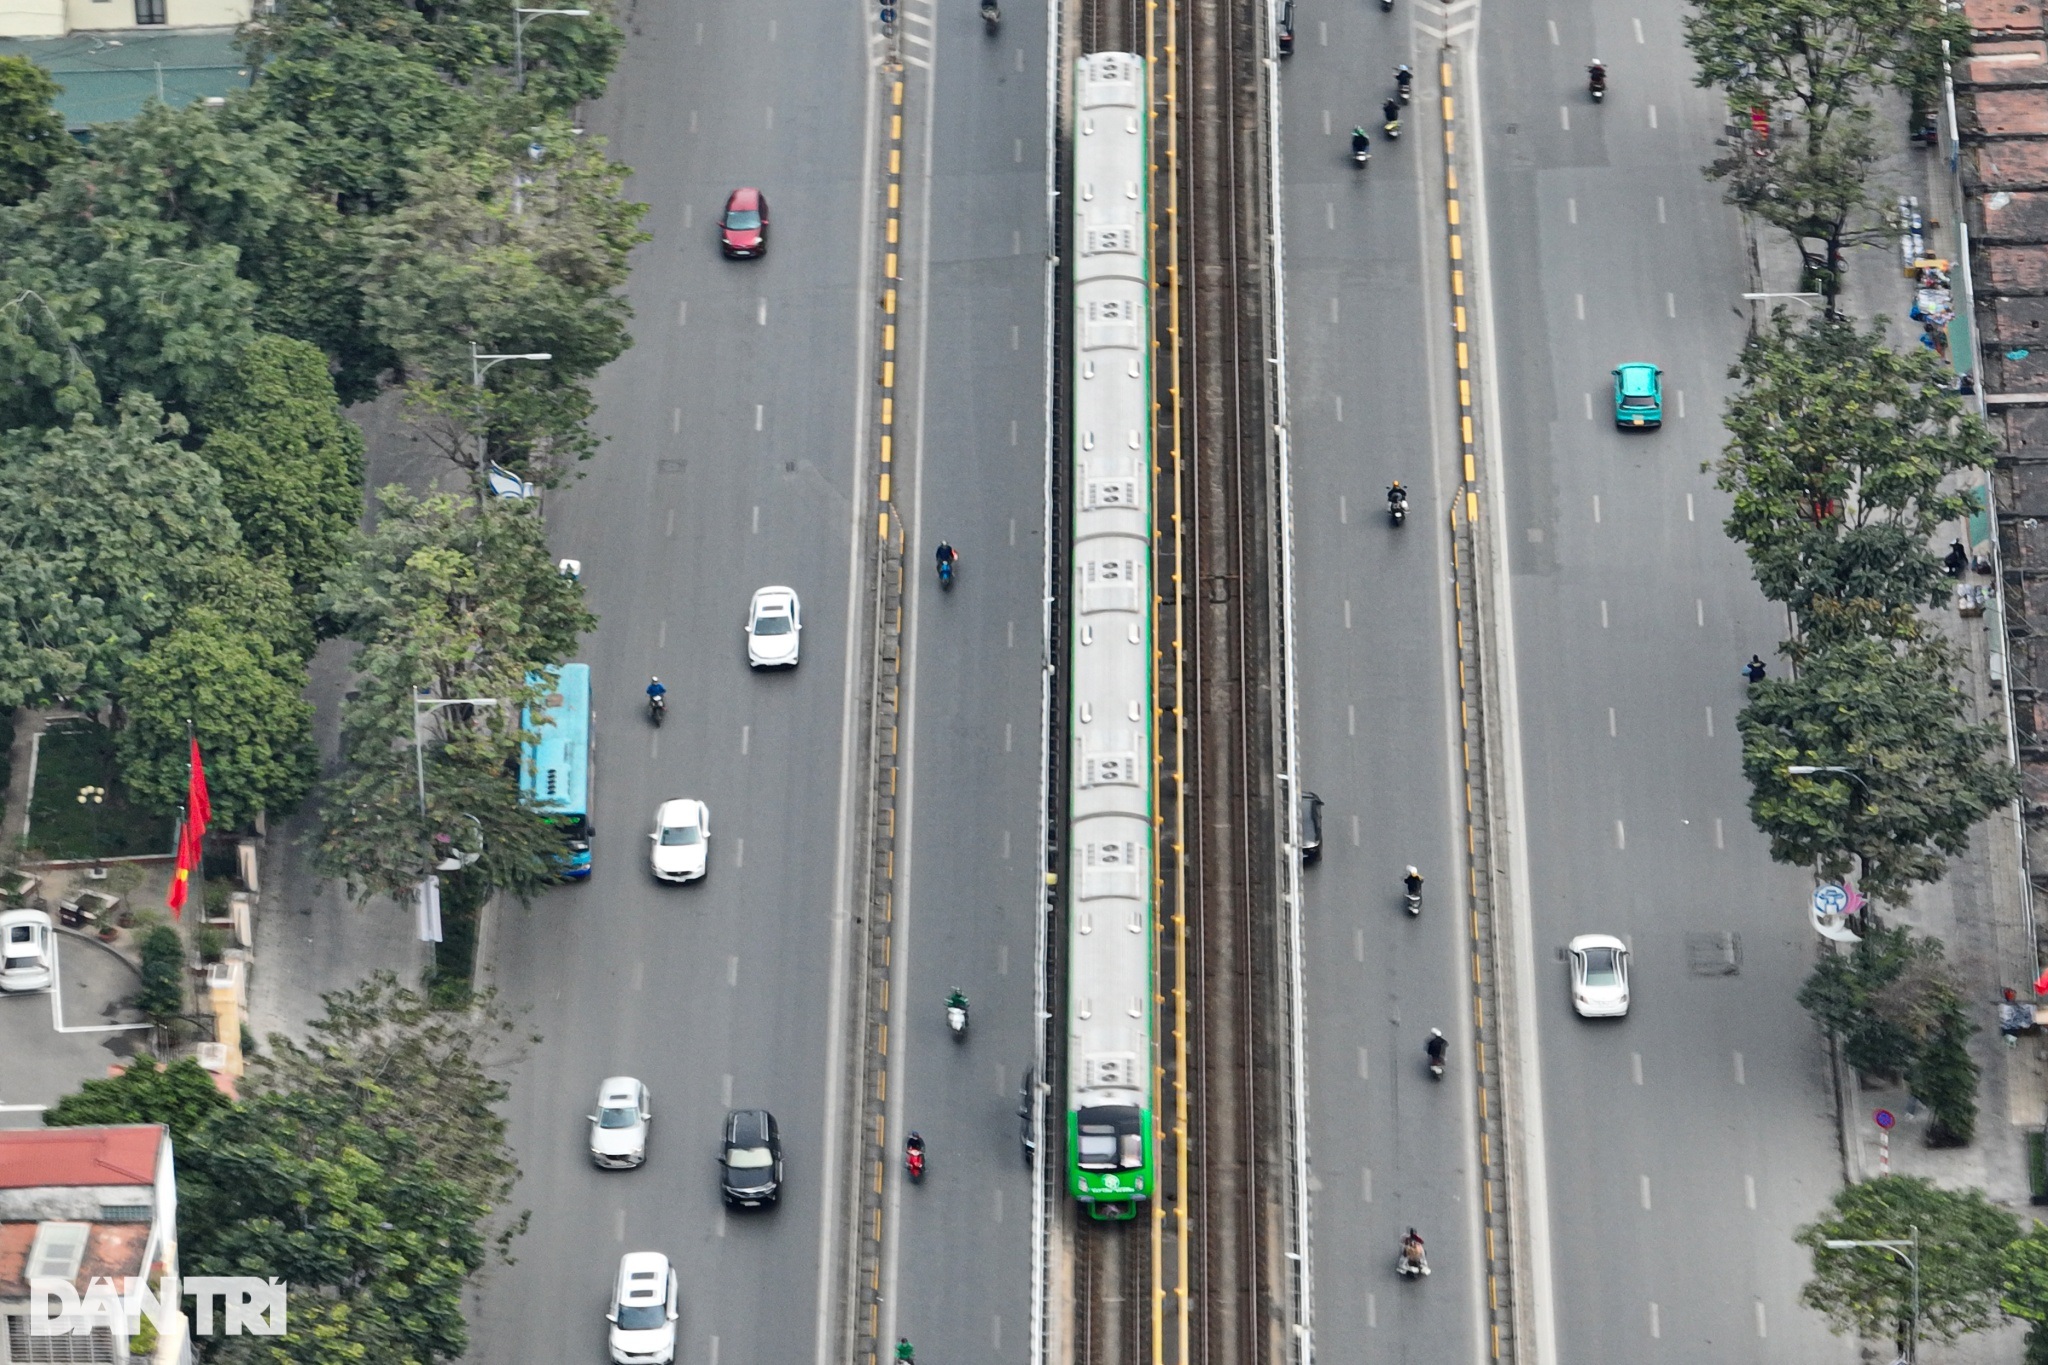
<point x="1884" y="1118"/>
<point x="1830" y="900"/>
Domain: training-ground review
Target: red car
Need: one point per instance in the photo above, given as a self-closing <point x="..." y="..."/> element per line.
<point x="743" y="227"/>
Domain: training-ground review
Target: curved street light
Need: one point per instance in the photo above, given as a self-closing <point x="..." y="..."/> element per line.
<point x="1900" y="1250"/>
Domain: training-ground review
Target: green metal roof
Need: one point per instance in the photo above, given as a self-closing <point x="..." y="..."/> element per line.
<point x="109" y="76"/>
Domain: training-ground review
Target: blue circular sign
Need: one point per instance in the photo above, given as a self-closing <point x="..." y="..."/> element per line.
<point x="1884" y="1118"/>
<point x="1830" y="900"/>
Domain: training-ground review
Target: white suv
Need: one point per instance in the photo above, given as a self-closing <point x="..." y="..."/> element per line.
<point x="644" y="1310"/>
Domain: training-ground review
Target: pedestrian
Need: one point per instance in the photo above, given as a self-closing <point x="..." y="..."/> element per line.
<point x="1966" y="384"/>
<point x="1957" y="560"/>
<point x="1754" y="669"/>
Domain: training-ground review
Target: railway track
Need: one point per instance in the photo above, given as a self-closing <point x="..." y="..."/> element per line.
<point x="1193" y="1280"/>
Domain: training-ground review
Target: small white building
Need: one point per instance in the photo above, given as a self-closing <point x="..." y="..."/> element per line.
<point x="57" y="18"/>
<point x="86" y="1203"/>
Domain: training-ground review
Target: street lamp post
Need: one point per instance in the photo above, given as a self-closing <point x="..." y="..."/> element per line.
<point x="429" y="891"/>
<point x="1909" y="1252"/>
<point x="519" y="17"/>
<point x="92" y="798"/>
<point x="480" y="363"/>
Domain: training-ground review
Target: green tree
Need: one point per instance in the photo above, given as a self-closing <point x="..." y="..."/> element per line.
<point x="1833" y="428"/>
<point x="180" y="1095"/>
<point x="107" y="530"/>
<point x="100" y="296"/>
<point x="508" y="253"/>
<point x="236" y="178"/>
<point x="257" y="596"/>
<point x="1943" y="1077"/>
<point x="462" y="600"/>
<point x="1868" y="1291"/>
<point x="2025" y="1289"/>
<point x="1822" y="192"/>
<point x="374" y="1242"/>
<point x="380" y="1054"/>
<point x="163" y="979"/>
<point x="291" y="465"/>
<point x="1850" y="994"/>
<point x="243" y="703"/>
<point x="32" y="136"/>
<point x="1920" y="777"/>
<point x="1815" y="59"/>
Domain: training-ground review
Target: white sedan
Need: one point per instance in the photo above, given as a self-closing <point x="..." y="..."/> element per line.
<point x="618" y="1130"/>
<point x="27" y="949"/>
<point x="1599" y="976"/>
<point x="682" y="839"/>
<point x="774" y="626"/>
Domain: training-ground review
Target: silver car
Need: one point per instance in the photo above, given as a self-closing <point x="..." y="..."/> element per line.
<point x="644" y="1310"/>
<point x="618" y="1130"/>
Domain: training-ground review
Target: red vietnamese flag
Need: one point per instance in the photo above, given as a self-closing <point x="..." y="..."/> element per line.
<point x="192" y="835"/>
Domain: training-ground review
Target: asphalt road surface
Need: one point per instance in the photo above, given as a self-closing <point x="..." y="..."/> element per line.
<point x="734" y="429"/>
<point x="968" y="881"/>
<point x="1685" y="1143"/>
<point x="1366" y="303"/>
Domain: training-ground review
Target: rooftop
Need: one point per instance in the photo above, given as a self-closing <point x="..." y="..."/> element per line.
<point x="31" y="1158"/>
<point x="109" y="76"/>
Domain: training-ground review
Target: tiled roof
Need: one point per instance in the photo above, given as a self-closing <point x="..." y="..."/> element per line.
<point x="34" y="1157"/>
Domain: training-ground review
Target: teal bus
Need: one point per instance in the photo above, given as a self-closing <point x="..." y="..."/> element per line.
<point x="555" y="769"/>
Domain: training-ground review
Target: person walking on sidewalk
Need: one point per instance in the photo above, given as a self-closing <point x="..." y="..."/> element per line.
<point x="1754" y="669"/>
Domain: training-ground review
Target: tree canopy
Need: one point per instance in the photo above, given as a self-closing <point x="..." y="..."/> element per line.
<point x="107" y="531"/>
<point x="32" y="136"/>
<point x="1964" y="1238"/>
<point x="364" y="1167"/>
<point x="243" y="704"/>
<point x="1919" y="777"/>
<point x="291" y="465"/>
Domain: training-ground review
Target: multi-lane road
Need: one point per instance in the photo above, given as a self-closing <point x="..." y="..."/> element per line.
<point x="1677" y="1148"/>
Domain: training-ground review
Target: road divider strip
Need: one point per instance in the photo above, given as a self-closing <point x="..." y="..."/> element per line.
<point x="1474" y="758"/>
<point x="874" y="907"/>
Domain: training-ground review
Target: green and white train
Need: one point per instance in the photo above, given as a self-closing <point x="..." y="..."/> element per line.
<point x="1110" y="905"/>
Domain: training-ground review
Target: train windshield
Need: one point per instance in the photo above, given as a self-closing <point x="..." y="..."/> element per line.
<point x="1108" y="1137"/>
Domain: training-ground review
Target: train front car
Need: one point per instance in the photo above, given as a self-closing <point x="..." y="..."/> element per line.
<point x="1110" y="837"/>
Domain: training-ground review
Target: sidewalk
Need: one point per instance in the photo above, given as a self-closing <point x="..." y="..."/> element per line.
<point x="311" y="938"/>
<point x="1977" y="910"/>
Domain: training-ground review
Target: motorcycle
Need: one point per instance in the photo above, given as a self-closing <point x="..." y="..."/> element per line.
<point x="913" y="1158"/>
<point x="1438" y="1049"/>
<point x="1596" y="84"/>
<point x="657" y="707"/>
<point x="1403" y="80"/>
<point x="1386" y="6"/>
<point x="991" y="15"/>
<point x="1392" y="128"/>
<point x="1411" y="1263"/>
<point x="1361" y="147"/>
<point x="1411" y="886"/>
<point x="1397" y="510"/>
<point x="956" y="1015"/>
<point x="946" y="572"/>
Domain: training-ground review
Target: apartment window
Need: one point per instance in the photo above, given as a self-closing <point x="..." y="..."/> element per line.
<point x="150" y="12"/>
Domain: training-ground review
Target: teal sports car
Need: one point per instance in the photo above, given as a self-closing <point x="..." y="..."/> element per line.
<point x="1638" y="395"/>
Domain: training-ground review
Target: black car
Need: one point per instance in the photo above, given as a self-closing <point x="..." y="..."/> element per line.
<point x="1027" y="1129"/>
<point x="1311" y="827"/>
<point x="750" y="1160"/>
